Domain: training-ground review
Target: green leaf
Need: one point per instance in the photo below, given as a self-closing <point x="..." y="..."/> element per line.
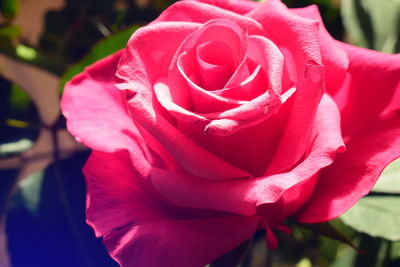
<point x="378" y="216"/>
<point x="389" y="181"/>
<point x="373" y="23"/>
<point x="331" y="230"/>
<point x="9" y="8"/>
<point x="102" y="49"/>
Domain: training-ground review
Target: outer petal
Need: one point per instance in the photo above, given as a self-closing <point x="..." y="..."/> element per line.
<point x="353" y="173"/>
<point x="193" y="11"/>
<point x="94" y="107"/>
<point x="301" y="38"/>
<point x="369" y="100"/>
<point x="240" y="6"/>
<point x="116" y="195"/>
<point x="371" y="86"/>
<point x="186" y="243"/>
<point x="334" y="58"/>
<point x="140" y="230"/>
<point x="96" y="111"/>
<point x="145" y="60"/>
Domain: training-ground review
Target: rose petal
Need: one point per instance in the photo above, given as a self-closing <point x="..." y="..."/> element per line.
<point x="334" y="58"/>
<point x="188" y="154"/>
<point x="267" y="75"/>
<point x="289" y="204"/>
<point x="174" y="242"/>
<point x="245" y="195"/>
<point x="144" y="52"/>
<point x="96" y="111"/>
<point x="373" y="80"/>
<point x="251" y="156"/>
<point x="297" y="135"/>
<point x="358" y="169"/>
<point x="144" y="60"/>
<point x="194" y="11"/>
<point x="301" y="38"/>
<point x="183" y="75"/>
<point x="115" y="195"/>
<point x="215" y="62"/>
<point x="139" y="66"/>
<point x="139" y="230"/>
<point x="246" y="115"/>
<point x="267" y="54"/>
<point x="235" y="117"/>
<point x="202" y="100"/>
<point x="240" y="6"/>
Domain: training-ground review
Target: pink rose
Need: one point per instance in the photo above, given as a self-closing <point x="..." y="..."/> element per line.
<point x="224" y="117"/>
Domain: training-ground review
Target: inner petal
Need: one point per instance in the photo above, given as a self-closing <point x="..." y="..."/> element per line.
<point x="203" y="101"/>
<point x="219" y="46"/>
<point x="216" y="64"/>
<point x="253" y="86"/>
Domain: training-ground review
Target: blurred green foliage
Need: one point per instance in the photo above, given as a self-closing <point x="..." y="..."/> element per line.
<point x="9" y="8"/>
<point x="373" y="24"/>
<point x="100" y="50"/>
<point x="376" y="216"/>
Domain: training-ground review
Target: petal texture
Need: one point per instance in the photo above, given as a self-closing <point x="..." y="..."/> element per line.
<point x="334" y="57"/>
<point x="186" y="243"/>
<point x="301" y="38"/>
<point x="354" y="172"/>
<point x="96" y="111"/>
<point x="140" y="230"/>
<point x="373" y="78"/>
<point x="245" y="195"/>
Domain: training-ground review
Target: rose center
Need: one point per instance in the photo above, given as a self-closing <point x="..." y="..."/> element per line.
<point x="215" y="63"/>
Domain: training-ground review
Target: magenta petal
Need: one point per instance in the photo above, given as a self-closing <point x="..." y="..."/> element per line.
<point x="267" y="73"/>
<point x="115" y="193"/>
<point x="190" y="155"/>
<point x="358" y="169"/>
<point x="334" y="58"/>
<point x="96" y="111"/>
<point x="193" y="11"/>
<point x="140" y="66"/>
<point x="243" y="196"/>
<point x="297" y="135"/>
<point x="171" y="243"/>
<point x="239" y="6"/>
<point x="371" y="86"/>
<point x="139" y="230"/>
<point x="144" y="60"/>
<point x="267" y="54"/>
<point x="185" y="72"/>
<point x="215" y="64"/>
<point x="301" y="38"/>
